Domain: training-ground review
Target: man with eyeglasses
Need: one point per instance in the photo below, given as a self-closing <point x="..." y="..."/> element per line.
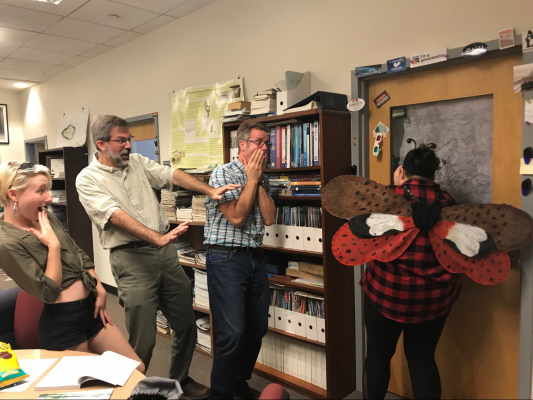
<point x="117" y="191"/>
<point x="236" y="268"/>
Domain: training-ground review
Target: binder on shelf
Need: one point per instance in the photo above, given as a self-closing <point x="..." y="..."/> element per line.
<point x="321" y="329"/>
<point x="280" y="317"/>
<point x="276" y="235"/>
<point x="310" y="327"/>
<point x="271" y="317"/>
<point x="296" y="237"/>
<point x="285" y="235"/>
<point x="290" y="323"/>
<point x="308" y="238"/>
<point x="318" y="240"/>
<point x="299" y="328"/>
<point x="268" y="239"/>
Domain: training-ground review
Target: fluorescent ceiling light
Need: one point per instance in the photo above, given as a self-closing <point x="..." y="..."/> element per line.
<point x="21" y="85"/>
<point x="50" y="1"/>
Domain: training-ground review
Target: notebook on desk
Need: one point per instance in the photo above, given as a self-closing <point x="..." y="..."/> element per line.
<point x="73" y="372"/>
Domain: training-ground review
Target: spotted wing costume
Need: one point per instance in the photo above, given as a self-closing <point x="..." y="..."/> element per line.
<point x="472" y="239"/>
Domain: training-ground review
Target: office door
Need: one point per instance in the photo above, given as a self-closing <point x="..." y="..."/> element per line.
<point x="479" y="348"/>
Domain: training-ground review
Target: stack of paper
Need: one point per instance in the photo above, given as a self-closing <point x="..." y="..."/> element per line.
<point x="264" y="102"/>
<point x="201" y="295"/>
<point x="58" y="196"/>
<point x="203" y="340"/>
<point x="162" y="323"/>
<point x="168" y="202"/>
<point x="198" y="207"/>
<point x="200" y="258"/>
<point x="236" y="115"/>
<point x="181" y="244"/>
<point x="187" y="255"/>
<point x="184" y="214"/>
<point x="183" y="198"/>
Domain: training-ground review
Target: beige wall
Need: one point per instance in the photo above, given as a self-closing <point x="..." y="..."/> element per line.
<point x="260" y="40"/>
<point x="15" y="149"/>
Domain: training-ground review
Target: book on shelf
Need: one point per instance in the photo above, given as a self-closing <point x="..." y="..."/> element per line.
<point x="296" y="273"/>
<point x="297" y="194"/>
<point x="239" y="105"/>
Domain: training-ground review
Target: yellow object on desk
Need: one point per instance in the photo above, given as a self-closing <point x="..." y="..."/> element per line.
<point x="10" y="371"/>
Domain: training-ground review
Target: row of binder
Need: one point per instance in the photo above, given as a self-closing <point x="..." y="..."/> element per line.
<point x="298" y="313"/>
<point x="293" y="237"/>
<point x="302" y="360"/>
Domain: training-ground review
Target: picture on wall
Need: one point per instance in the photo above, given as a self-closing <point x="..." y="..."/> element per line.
<point x="4" y="130"/>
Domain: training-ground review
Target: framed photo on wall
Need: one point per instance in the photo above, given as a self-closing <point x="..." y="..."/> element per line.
<point x="4" y="130"/>
<point x="55" y="165"/>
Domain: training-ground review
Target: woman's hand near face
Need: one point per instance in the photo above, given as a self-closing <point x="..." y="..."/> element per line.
<point x="46" y="234"/>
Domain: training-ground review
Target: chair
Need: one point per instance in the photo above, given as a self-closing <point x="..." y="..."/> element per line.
<point x="274" y="392"/>
<point x="8" y="301"/>
<point x="27" y="313"/>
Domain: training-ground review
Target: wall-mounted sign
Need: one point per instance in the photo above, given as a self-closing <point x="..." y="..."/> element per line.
<point x="429" y="57"/>
<point x="368" y="70"/>
<point x="527" y="40"/>
<point x="381" y="99"/>
<point x="506" y="38"/>
<point x="474" y="50"/>
<point x="396" y="65"/>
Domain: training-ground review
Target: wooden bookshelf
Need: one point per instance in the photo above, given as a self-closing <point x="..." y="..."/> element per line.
<point x="300" y="252"/>
<point x="201" y="309"/>
<point x="79" y="225"/>
<point x="287" y="281"/>
<point x="191" y="223"/>
<point x="289" y="170"/>
<point x="203" y="352"/>
<point x="296" y="198"/>
<point x="291" y="335"/>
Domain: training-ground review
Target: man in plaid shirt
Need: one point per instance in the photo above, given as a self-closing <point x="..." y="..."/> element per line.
<point x="236" y="268"/>
<point x="413" y="293"/>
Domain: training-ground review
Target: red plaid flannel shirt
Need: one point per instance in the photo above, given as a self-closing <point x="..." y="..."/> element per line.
<point x="414" y="287"/>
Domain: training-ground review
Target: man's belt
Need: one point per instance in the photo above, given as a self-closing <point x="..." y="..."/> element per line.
<point x="237" y="249"/>
<point x="134" y="245"/>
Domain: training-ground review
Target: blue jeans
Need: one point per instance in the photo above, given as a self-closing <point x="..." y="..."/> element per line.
<point x="238" y="298"/>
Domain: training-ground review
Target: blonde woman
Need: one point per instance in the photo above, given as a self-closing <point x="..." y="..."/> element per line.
<point x="40" y="256"/>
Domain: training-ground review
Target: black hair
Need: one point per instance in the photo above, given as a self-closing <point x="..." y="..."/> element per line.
<point x="422" y="161"/>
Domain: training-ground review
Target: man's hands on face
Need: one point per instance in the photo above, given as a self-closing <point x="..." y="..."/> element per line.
<point x="255" y="166"/>
<point x="173" y="234"/>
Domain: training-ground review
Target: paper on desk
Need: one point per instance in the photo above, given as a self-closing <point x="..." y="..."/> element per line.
<point x="526" y="169"/>
<point x="34" y="368"/>
<point x="86" y="394"/>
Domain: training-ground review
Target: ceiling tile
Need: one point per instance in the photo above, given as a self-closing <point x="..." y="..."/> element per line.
<point x="154" y="24"/>
<point x="51" y="57"/>
<point x="21" y="18"/>
<point x="97" y="51"/>
<point x="189" y="7"/>
<point x="159" y="6"/>
<point x="7" y="49"/>
<point x="15" y="36"/>
<point x="57" y="70"/>
<point x="64" y="8"/>
<point x="23" y="65"/>
<point x="13" y="74"/>
<point x="81" y="30"/>
<point x="97" y="11"/>
<point x="76" y="61"/>
<point x="40" y="78"/>
<point x="124" y="38"/>
<point x="60" y="44"/>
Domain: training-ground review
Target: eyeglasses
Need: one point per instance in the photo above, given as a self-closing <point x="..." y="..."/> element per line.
<point x="122" y="140"/>
<point x="260" y="144"/>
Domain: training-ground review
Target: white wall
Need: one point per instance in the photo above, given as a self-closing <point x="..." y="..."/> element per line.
<point x="15" y="149"/>
<point x="260" y="40"/>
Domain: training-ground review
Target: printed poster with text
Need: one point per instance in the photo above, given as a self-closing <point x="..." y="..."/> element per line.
<point x="197" y="114"/>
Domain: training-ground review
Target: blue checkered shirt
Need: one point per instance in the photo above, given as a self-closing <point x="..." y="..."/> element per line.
<point x="218" y="230"/>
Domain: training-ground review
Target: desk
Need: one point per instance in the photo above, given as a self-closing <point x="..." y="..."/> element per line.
<point x="30" y="393"/>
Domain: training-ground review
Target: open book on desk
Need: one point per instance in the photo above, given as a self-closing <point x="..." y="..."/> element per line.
<point x="73" y="372"/>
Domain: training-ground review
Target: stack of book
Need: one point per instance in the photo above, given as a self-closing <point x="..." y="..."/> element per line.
<point x="58" y="196"/>
<point x="201" y="295"/>
<point x="306" y="273"/>
<point x="200" y="258"/>
<point x="184" y="213"/>
<point x="264" y="102"/>
<point x="168" y="202"/>
<point x="180" y="244"/>
<point x="187" y="255"/>
<point x="162" y="323"/>
<point x="203" y="341"/>
<point x="295" y="145"/>
<point x="236" y="115"/>
<point x="306" y="185"/>
<point x="280" y="185"/>
<point x="183" y="198"/>
<point x="198" y="207"/>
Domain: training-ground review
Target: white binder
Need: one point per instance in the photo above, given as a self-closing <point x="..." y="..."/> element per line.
<point x="290" y="323"/>
<point x="276" y="235"/>
<point x="297" y="242"/>
<point x="299" y="328"/>
<point x="318" y="240"/>
<point x="285" y="233"/>
<point x="280" y="318"/>
<point x="308" y="238"/>
<point x="268" y="239"/>
<point x="310" y="327"/>
<point x="321" y="329"/>
<point x="271" y="316"/>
